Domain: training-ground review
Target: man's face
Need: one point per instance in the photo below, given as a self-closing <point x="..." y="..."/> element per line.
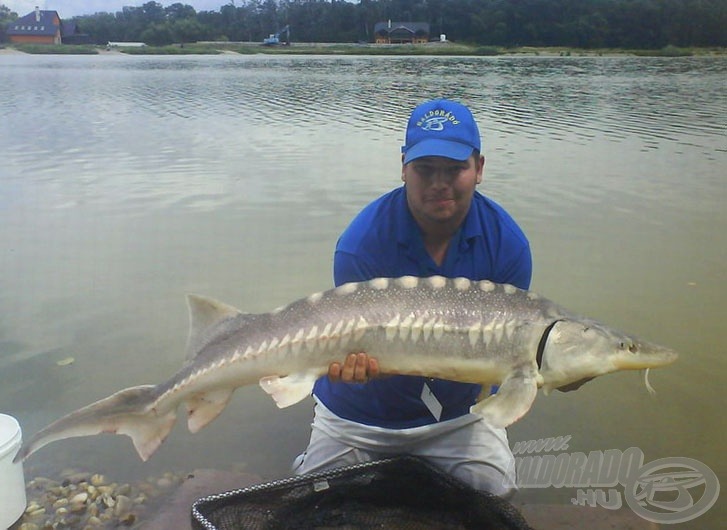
<point x="439" y="190"/>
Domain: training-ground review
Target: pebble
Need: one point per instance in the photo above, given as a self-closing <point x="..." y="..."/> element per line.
<point x="80" y="498"/>
<point x="91" y="501"/>
<point x="164" y="483"/>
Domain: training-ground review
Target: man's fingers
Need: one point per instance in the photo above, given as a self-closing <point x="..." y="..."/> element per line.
<point x="356" y="368"/>
<point x="373" y="368"/>
<point x="348" y="369"/>
<point x="334" y="372"/>
<point x="361" y="368"/>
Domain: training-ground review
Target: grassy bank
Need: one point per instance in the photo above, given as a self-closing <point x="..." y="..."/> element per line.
<point x="351" y="49"/>
<point x="55" y="49"/>
<point x="175" y="49"/>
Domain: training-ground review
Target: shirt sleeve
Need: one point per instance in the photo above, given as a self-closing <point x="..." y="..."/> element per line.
<point x="520" y="271"/>
<point x="348" y="267"/>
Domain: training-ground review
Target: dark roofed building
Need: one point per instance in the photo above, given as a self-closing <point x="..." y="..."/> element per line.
<point x="70" y="34"/>
<point x="38" y="27"/>
<point x="401" y="32"/>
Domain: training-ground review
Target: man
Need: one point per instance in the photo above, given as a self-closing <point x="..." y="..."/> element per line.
<point x="437" y="223"/>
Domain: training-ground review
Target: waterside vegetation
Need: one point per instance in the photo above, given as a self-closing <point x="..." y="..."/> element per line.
<point x="578" y="24"/>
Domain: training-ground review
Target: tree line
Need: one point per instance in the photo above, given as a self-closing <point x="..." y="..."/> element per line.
<point x="573" y="23"/>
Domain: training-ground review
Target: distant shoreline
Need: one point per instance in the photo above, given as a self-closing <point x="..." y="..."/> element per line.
<point x="431" y="49"/>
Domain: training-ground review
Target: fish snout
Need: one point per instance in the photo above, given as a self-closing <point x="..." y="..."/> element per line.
<point x="638" y="356"/>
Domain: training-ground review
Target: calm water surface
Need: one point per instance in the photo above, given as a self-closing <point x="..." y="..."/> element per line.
<point x="126" y="182"/>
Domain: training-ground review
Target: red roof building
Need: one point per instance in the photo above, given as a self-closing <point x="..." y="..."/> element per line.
<point x="38" y="27"/>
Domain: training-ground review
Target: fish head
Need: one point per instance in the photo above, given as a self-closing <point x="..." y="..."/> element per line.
<point x="579" y="350"/>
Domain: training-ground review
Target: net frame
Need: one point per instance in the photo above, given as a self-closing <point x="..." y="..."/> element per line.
<point x="401" y="492"/>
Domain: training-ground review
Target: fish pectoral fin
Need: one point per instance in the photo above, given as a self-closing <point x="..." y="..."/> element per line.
<point x="512" y="400"/>
<point x="204" y="407"/>
<point x="290" y="389"/>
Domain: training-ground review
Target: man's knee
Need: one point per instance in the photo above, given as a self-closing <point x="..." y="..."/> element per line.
<point x="483" y="477"/>
<point x="326" y="458"/>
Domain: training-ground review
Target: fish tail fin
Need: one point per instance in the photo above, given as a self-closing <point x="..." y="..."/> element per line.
<point x="130" y="412"/>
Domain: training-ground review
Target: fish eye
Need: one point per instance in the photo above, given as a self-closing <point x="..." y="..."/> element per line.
<point x="633" y="348"/>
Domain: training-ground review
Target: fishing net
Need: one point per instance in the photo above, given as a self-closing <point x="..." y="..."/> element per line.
<point x="398" y="493"/>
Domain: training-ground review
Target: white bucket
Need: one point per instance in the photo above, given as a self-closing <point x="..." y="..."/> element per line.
<point x="12" y="482"/>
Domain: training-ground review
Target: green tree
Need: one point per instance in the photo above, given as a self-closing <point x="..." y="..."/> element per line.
<point x="153" y="13"/>
<point x="188" y="30"/>
<point x="157" y="35"/>
<point x="582" y="23"/>
<point x="179" y="11"/>
<point x="102" y="27"/>
<point x="6" y="17"/>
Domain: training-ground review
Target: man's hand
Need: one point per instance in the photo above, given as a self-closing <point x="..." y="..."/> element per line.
<point x="357" y="368"/>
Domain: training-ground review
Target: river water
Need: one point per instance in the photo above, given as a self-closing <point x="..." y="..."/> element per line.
<point x="126" y="182"/>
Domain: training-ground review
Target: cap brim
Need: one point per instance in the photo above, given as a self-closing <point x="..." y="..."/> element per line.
<point x="444" y="148"/>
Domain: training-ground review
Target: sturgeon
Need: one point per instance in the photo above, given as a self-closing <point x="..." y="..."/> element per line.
<point x="455" y="329"/>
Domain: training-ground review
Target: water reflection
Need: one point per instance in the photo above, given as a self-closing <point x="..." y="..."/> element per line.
<point x="128" y="181"/>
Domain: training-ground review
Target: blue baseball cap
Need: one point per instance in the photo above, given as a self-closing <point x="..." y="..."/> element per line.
<point x="441" y="128"/>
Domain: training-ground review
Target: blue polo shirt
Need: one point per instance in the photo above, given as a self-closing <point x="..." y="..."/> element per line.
<point x="385" y="241"/>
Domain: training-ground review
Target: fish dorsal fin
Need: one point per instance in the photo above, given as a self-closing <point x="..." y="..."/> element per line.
<point x="204" y="314"/>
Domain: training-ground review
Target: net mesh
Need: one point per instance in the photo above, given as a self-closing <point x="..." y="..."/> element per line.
<point x="399" y="493"/>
